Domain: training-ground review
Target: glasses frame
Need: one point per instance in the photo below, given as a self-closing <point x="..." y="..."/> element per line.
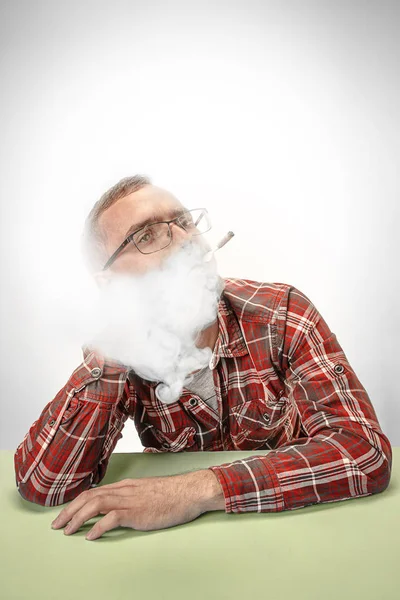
<point x="130" y="236"/>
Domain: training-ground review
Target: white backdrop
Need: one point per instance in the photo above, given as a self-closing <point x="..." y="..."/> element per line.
<point x="282" y="118"/>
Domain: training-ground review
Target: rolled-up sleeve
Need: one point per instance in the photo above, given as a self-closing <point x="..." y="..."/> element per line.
<point x="67" y="449"/>
<point x="342" y="452"/>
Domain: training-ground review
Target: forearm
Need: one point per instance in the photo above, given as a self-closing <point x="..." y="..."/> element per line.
<point x="205" y="490"/>
<point x="74" y="429"/>
<point x="340" y="466"/>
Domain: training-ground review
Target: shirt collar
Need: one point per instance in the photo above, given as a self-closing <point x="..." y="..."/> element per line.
<point x="230" y="341"/>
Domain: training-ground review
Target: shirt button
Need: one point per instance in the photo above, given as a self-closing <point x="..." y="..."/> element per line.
<point x="338" y="369"/>
<point x="52" y="422"/>
<point x="266" y="417"/>
<point x="192" y="401"/>
<point x="96" y="372"/>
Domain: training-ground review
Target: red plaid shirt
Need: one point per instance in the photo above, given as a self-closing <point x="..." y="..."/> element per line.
<point x="283" y="383"/>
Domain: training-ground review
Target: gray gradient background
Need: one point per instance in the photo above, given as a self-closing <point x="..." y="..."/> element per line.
<point x="281" y="117"/>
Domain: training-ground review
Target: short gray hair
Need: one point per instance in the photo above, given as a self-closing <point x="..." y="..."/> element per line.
<point x="93" y="239"/>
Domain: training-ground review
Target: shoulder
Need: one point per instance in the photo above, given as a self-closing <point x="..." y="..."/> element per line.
<point x="254" y="300"/>
<point x="265" y="301"/>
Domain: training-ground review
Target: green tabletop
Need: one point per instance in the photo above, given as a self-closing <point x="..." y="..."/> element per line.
<point x="337" y="550"/>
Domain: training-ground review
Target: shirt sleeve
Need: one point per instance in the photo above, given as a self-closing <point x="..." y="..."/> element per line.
<point x="343" y="454"/>
<point x="67" y="449"/>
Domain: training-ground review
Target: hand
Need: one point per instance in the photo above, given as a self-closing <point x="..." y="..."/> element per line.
<point x="144" y="504"/>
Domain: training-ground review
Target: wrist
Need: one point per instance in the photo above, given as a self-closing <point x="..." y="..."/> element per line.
<point x="207" y="490"/>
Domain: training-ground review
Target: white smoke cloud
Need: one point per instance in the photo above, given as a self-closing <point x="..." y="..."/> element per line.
<point x="150" y="321"/>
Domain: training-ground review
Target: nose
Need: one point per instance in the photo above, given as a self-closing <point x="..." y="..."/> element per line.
<point x="179" y="234"/>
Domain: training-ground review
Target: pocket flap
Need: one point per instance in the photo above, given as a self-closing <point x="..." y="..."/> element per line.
<point x="176" y="441"/>
<point x="257" y="413"/>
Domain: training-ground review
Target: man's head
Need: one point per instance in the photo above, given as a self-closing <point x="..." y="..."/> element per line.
<point x="156" y="305"/>
<point x="123" y="209"/>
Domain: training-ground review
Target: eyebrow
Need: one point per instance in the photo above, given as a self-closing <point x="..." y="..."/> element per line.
<point x="176" y="212"/>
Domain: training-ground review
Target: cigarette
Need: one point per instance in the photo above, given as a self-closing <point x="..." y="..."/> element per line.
<point x="228" y="236"/>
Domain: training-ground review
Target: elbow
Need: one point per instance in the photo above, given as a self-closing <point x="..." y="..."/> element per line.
<point x="380" y="480"/>
<point x="44" y="491"/>
<point x="372" y="458"/>
<point x="383" y="476"/>
<point x="55" y="495"/>
<point x="28" y="493"/>
<point x="40" y="490"/>
<point x="380" y="476"/>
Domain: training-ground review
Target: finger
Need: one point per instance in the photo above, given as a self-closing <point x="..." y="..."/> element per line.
<point x="112" y="520"/>
<point x="99" y="505"/>
<point x="69" y="511"/>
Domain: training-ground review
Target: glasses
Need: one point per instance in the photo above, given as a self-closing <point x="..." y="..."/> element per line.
<point x="157" y="236"/>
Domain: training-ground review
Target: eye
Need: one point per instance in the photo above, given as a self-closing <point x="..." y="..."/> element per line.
<point x="144" y="238"/>
<point x="186" y="221"/>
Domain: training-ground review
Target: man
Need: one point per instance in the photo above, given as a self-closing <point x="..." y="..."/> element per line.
<point x="279" y="380"/>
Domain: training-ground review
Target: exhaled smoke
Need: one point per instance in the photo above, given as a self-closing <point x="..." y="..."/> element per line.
<point x="150" y="322"/>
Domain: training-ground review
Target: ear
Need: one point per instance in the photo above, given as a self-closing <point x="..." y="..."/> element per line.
<point x="102" y="278"/>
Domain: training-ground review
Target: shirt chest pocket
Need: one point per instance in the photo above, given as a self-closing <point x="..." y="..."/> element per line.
<point x="173" y="441"/>
<point x="74" y="406"/>
<point x="255" y="422"/>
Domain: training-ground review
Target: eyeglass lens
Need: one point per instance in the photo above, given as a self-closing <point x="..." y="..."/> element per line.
<point x="157" y="236"/>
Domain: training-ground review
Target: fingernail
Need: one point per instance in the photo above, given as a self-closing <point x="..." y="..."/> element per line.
<point x="90" y="536"/>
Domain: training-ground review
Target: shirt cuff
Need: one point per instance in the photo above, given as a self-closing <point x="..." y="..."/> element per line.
<point x="250" y="485"/>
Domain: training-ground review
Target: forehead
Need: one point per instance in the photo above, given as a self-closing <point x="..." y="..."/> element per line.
<point x="134" y="208"/>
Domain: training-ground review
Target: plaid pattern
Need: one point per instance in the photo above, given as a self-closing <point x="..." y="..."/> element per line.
<point x="283" y="383"/>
